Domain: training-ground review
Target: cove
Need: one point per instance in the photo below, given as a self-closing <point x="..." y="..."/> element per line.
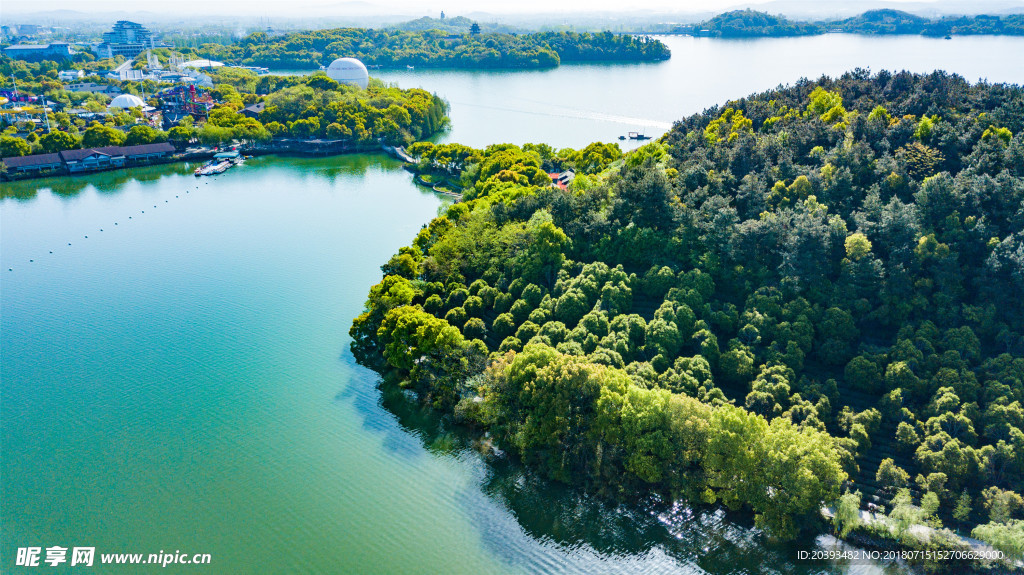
<point x="181" y="381"/>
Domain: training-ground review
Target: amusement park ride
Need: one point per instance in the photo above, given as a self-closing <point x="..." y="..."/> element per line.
<point x="15" y="113"/>
<point x="184" y="100"/>
<point x="176" y="102"/>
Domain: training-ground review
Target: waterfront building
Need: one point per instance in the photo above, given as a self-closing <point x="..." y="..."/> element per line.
<point x="89" y="159"/>
<point x="92" y="159"/>
<point x="30" y="164"/>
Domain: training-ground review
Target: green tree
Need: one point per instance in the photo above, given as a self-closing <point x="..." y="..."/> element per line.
<point x="142" y="135"/>
<point x="737" y="364"/>
<point x="11" y="147"/>
<point x="180" y="136"/>
<point x="58" y="141"/>
<point x="98" y="136"/>
<point x="962" y="511"/>
<point x="1001" y="504"/>
<point x="857" y="246"/>
<point x="836" y="330"/>
<point x="863" y="374"/>
<point x="904" y="513"/>
<point x="1006" y="537"/>
<point x="847" y="515"/>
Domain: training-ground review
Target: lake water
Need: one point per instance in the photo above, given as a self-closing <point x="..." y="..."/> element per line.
<point x="574" y="105"/>
<point x="175" y="373"/>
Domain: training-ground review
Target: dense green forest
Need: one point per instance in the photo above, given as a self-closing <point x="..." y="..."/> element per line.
<point x="436" y="49"/>
<point x="809" y="296"/>
<point x="751" y="23"/>
<point x="313" y="106"/>
<point x="316" y="106"/>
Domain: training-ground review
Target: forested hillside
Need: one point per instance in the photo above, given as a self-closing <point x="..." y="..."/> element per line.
<point x="804" y="292"/>
<point x="436" y="49"/>
<point x="751" y="23"/>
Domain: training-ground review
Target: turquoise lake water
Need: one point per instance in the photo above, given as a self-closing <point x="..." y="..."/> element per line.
<point x="180" y="380"/>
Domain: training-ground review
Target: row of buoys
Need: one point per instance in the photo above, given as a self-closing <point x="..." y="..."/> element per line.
<point x="115" y="223"/>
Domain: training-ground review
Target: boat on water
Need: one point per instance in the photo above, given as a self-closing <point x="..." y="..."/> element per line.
<point x="213" y="168"/>
<point x="218" y="168"/>
<point x="219" y="164"/>
<point x="408" y="67"/>
<point x="638" y="136"/>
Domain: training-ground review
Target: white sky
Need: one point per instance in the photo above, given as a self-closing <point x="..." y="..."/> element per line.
<point x="300" y="8"/>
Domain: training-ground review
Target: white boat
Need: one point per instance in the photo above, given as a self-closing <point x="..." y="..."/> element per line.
<point x="213" y="168"/>
<point x="218" y="168"/>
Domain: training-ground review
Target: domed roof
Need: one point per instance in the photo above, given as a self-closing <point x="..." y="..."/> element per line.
<point x="349" y="71"/>
<point x="127" y="101"/>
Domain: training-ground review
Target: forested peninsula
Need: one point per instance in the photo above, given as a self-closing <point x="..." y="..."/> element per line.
<point x="390" y="47"/>
<point x="807" y="297"/>
<point x="300" y="107"/>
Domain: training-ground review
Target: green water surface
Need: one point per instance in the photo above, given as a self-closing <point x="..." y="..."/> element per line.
<point x="180" y="380"/>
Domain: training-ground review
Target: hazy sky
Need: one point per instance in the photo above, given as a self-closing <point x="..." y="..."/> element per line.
<point x="196" y="8"/>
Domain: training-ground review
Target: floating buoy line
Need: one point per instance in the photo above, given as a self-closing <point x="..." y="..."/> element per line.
<point x="32" y="260"/>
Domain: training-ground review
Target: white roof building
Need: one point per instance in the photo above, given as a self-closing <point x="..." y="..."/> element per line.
<point x="127" y="101"/>
<point x="348" y="71"/>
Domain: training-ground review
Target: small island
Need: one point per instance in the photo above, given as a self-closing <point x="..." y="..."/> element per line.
<point x="435" y="48"/>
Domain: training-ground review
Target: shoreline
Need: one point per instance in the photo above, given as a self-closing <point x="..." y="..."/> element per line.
<point x="297" y="148"/>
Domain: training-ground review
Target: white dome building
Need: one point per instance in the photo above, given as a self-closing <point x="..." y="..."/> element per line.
<point x="348" y="71"/>
<point x="127" y="101"/>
